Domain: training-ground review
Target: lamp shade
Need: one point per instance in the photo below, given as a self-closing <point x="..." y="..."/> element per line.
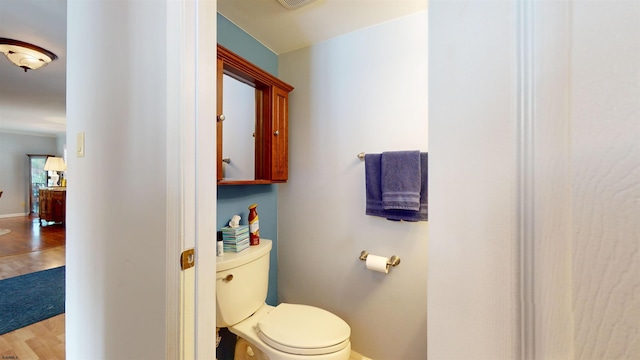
<point x="55" y="164"/>
<point x="25" y="55"/>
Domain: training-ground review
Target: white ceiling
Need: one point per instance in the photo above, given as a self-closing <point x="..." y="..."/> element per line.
<point x="34" y="102"/>
<point x="283" y="30"/>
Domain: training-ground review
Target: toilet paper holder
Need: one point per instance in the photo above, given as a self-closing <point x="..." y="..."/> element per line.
<point x="393" y="260"/>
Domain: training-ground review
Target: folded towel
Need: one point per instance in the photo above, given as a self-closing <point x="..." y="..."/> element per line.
<point x="400" y="180"/>
<point x="373" y="185"/>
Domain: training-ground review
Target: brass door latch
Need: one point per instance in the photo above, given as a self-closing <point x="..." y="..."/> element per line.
<point x="188" y="259"/>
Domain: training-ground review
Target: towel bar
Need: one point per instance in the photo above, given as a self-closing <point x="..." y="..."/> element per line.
<point x="361" y="156"/>
<point x="393" y="260"/>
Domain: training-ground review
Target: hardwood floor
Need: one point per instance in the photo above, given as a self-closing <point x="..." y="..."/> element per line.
<point x="45" y="339"/>
<point x="15" y="265"/>
<point x="42" y="340"/>
<point x="27" y="235"/>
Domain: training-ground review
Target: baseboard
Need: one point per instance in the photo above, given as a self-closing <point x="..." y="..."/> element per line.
<point x="13" y="215"/>
<point x="357" y="356"/>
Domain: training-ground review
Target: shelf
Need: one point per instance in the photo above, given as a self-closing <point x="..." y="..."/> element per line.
<point x="245" y="182"/>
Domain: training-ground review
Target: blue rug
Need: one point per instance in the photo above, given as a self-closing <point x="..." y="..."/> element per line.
<point x="27" y="299"/>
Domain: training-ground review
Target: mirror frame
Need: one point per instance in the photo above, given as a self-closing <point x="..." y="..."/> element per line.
<point x="268" y="88"/>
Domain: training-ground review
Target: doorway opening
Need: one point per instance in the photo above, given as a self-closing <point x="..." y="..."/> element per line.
<point x="38" y="178"/>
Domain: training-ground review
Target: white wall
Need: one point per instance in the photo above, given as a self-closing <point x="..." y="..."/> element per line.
<point x="605" y="121"/>
<point x="116" y="203"/>
<point x="473" y="248"/>
<point x="131" y="206"/>
<point x="361" y="92"/>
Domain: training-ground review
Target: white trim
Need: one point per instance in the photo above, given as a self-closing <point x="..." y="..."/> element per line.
<point x="186" y="86"/>
<point x="38" y="132"/>
<point x="174" y="237"/>
<point x="191" y="72"/>
<point x="205" y="178"/>
<point x="525" y="187"/>
<point x="13" y="215"/>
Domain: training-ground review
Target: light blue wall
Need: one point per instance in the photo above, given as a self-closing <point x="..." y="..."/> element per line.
<point x="241" y="43"/>
<point x="235" y="199"/>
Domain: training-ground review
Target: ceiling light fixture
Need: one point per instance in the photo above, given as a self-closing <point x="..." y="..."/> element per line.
<point x="294" y="4"/>
<point x="25" y="55"/>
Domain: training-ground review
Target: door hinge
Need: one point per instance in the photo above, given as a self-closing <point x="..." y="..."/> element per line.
<point x="188" y="259"/>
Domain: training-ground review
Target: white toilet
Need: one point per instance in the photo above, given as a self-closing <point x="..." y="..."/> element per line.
<point x="283" y="332"/>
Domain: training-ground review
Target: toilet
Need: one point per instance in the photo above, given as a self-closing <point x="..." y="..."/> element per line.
<point x="265" y="332"/>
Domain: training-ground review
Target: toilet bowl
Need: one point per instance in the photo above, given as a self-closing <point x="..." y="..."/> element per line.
<point x="283" y="332"/>
<point x="293" y="331"/>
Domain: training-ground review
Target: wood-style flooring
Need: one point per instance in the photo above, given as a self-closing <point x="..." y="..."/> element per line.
<point x="29" y="248"/>
<point x="27" y="235"/>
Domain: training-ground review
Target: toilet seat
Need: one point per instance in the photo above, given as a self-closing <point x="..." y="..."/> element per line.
<point x="303" y="330"/>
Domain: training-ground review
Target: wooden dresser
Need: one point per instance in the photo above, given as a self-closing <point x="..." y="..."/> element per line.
<point x="53" y="204"/>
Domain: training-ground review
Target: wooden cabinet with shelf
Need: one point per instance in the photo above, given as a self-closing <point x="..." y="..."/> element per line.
<point x="271" y="123"/>
<point x="53" y="204"/>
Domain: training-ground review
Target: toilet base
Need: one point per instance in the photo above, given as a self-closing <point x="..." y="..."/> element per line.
<point x="246" y="351"/>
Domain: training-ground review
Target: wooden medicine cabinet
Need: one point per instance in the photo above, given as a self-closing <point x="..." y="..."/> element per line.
<point x="252" y="123"/>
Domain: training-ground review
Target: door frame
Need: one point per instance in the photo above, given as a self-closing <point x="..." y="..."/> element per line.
<point x="191" y="178"/>
<point x="29" y="183"/>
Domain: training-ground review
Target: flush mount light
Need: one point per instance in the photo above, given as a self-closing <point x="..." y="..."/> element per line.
<point x="294" y="4"/>
<point x="25" y="55"/>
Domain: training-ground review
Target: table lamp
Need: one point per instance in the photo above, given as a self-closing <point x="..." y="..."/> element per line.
<point x="55" y="164"/>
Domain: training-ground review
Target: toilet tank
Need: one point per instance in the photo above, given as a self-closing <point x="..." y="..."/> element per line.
<point x="242" y="281"/>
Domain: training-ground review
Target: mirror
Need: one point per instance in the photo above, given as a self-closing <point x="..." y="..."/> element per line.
<point x="252" y="125"/>
<point x="238" y="151"/>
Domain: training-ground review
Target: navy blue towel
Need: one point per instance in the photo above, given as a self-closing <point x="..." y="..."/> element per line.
<point x="373" y="184"/>
<point x="400" y="172"/>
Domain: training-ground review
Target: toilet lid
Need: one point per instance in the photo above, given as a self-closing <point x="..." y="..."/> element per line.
<point x="303" y="330"/>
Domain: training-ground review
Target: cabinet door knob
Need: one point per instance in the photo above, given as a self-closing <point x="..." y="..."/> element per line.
<point x="221" y="117"/>
<point x="276" y="133"/>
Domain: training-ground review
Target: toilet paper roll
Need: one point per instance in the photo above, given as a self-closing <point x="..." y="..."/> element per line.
<point x="377" y="263"/>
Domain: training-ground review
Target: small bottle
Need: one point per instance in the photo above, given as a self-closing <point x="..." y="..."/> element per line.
<point x="219" y="248"/>
<point x="254" y="225"/>
<point x="219" y="244"/>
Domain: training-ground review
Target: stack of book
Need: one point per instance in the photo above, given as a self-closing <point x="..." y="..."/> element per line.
<point x="235" y="239"/>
